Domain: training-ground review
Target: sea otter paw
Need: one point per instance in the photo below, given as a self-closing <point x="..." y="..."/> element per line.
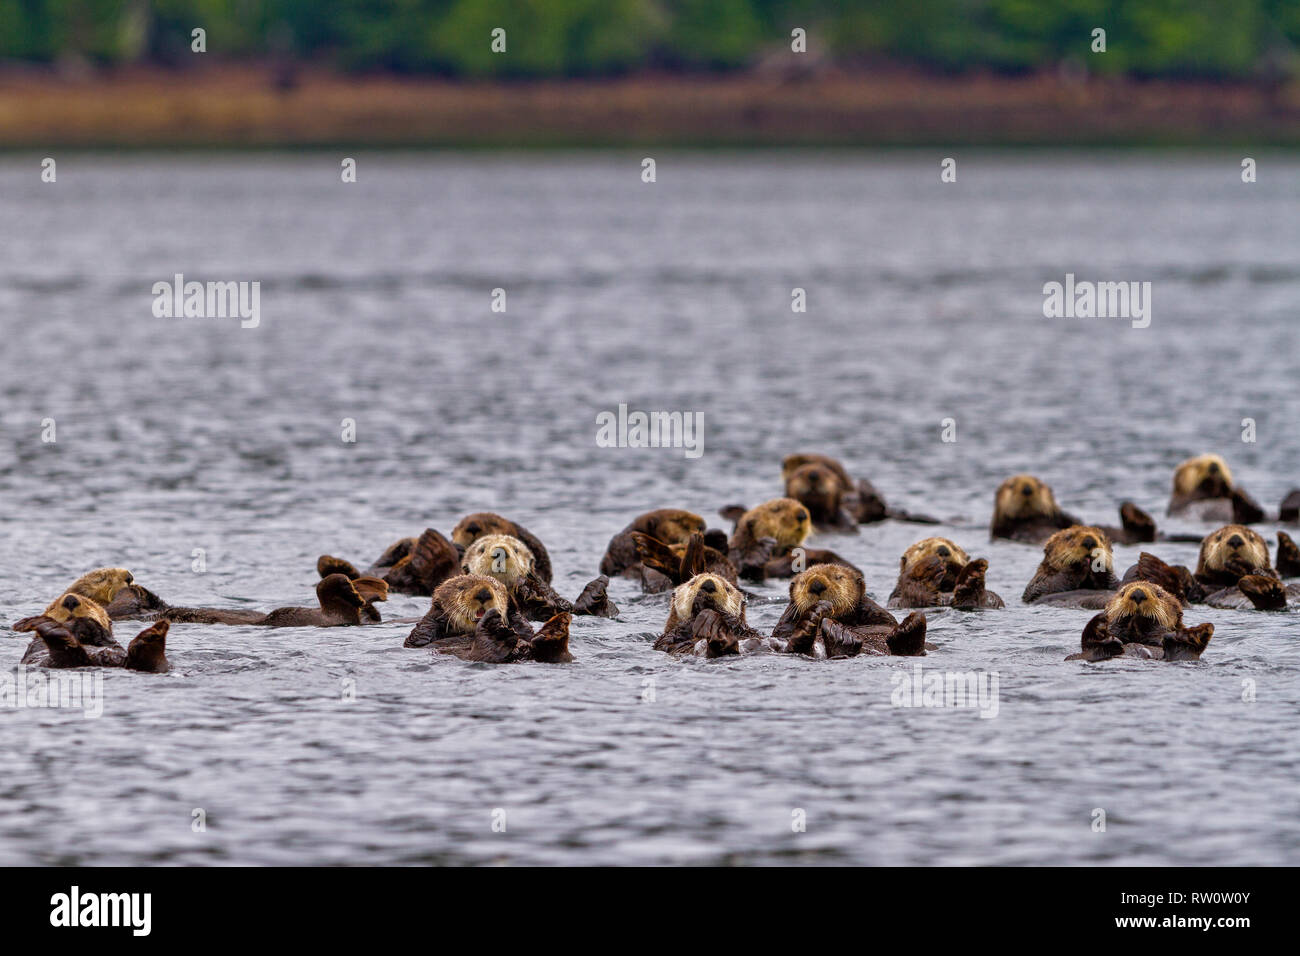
<point x="805" y="633"/>
<point x="1139" y="525"/>
<point x="712" y="628"/>
<point x="1187" y="644"/>
<point x="1288" y="556"/>
<point x="550" y="645"/>
<point x="839" y="640"/>
<point x="969" y="592"/>
<point x="908" y="638"/>
<point x="594" y="599"/>
<point x="1265" y="593"/>
<point x="1245" y="510"/>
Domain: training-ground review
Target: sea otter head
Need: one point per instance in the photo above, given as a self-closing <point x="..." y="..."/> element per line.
<point x="843" y="587"/>
<point x="1077" y="545"/>
<point x="1205" y="476"/>
<point x="1141" y="609"/>
<point x="953" y="558"/>
<point x="472" y="527"/>
<point x="76" y="608"/>
<point x="792" y="463"/>
<point x="467" y="597"/>
<point x="707" y="591"/>
<point x="1232" y="544"/>
<point x="102" y="584"/>
<point x="1023" y="497"/>
<point x="500" y="556"/>
<point x="784" y="519"/>
<point x="669" y="525"/>
<point x="817" y="488"/>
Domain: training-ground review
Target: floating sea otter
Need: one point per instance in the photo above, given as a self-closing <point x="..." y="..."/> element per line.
<point x="668" y="526"/>
<point x="83" y="617"/>
<point x="1232" y="571"/>
<point x="768" y="540"/>
<point x="510" y="561"/>
<point x="835" y="501"/>
<point x="1204" y="489"/>
<point x="409" y="566"/>
<point x="935" y="572"/>
<point x="676" y="564"/>
<point x="830" y="615"/>
<point x="1024" y="509"/>
<point x="707" y="619"/>
<point x="1142" y="620"/>
<point x="472" y="617"/>
<point x="147" y="651"/>
<point x="1077" y="570"/>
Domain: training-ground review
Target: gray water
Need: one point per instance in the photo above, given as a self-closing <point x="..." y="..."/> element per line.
<point x="924" y="303"/>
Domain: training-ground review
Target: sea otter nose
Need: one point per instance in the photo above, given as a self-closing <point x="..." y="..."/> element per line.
<point x="1026" y="490"/>
<point x="817" y="587"/>
<point x="1235" y="541"/>
<point x="483" y="595"/>
<point x="943" y="551"/>
<point x="71" y="603"/>
<point x="1089" y="542"/>
<point x="708" y="586"/>
<point x="1138" y="595"/>
<point x="1214" y="468"/>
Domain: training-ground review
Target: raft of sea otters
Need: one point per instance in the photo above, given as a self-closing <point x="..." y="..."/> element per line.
<point x="493" y="577"/>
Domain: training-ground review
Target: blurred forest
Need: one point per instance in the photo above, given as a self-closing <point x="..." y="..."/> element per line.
<point x="1201" y="39"/>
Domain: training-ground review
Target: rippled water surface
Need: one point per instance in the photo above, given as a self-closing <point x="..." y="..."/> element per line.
<point x="924" y="303"/>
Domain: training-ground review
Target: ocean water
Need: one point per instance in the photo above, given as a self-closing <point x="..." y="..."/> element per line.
<point x="924" y="303"/>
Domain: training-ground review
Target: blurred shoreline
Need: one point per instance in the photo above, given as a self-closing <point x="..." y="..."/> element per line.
<point x="265" y="105"/>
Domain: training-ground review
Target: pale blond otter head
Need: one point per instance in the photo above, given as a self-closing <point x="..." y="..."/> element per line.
<point x="465" y="598"/>
<point x="500" y="556"/>
<point x="709" y="590"/>
<point x="70" y="607"/>
<point x="792" y="463"/>
<point x="843" y="587"/>
<point x="1142" y="599"/>
<point x="1076" y="545"/>
<point x="1234" y="543"/>
<point x="1021" y="497"/>
<point x="784" y="519"/>
<point x="1205" y="476"/>
<point x="102" y="584"/>
<point x="472" y="527"/>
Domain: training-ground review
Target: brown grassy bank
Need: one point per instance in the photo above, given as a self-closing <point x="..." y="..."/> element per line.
<point x="240" y="106"/>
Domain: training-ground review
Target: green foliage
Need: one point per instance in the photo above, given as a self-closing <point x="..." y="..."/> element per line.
<point x="1212" y="38"/>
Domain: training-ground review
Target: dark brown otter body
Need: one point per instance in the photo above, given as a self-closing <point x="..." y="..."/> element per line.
<point x="667" y="526"/>
<point x="410" y="566"/>
<point x="146" y="652"/>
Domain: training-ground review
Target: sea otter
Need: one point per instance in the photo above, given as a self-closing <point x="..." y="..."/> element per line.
<point x="707" y="618"/>
<point x="935" y="572"/>
<point x="830" y="615"/>
<point x="1234" y="569"/>
<point x="87" y="621"/>
<point x="1077" y="570"/>
<point x="473" y="618"/>
<point x="409" y="566"/>
<point x="343" y="602"/>
<point x="116" y="591"/>
<point x="511" y="562"/>
<point x="668" y="526"/>
<point x="1024" y="509"/>
<point x="767" y="537"/>
<point x="835" y="501"/>
<point x="1142" y="620"/>
<point x="1203" y="488"/>
<point x="472" y="527"/>
<point x="147" y="652"/>
<point x="674" y="565"/>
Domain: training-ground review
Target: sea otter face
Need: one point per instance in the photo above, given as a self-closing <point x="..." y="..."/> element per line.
<point x="102" y="584"/>
<point x="1205" y="476"/>
<point x="670" y="525"/>
<point x="784" y="519"/>
<point x="707" y="591"/>
<point x="1235" y="544"/>
<point x="499" y="556"/>
<point x="792" y="463"/>
<point x="1141" y="607"/>
<point x="1079" y="544"/>
<point x="953" y="557"/>
<point x="472" y="527"/>
<point x="1021" y="497"/>
<point x="467" y="597"/>
<point x="816" y="487"/>
<point x="842" y="587"/>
